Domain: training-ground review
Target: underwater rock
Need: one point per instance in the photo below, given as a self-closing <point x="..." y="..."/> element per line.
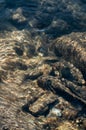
<point x="31" y="86"/>
<point x="72" y="48"/>
<point x="56" y="86"/>
<point x="55" y="113"/>
<point x="42" y="81"/>
<point x="41" y="106"/>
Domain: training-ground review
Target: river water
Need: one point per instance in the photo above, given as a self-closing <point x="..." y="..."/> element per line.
<point x="48" y="18"/>
<point x="24" y="59"/>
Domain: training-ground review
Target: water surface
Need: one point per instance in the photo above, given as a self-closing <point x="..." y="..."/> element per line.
<point x="51" y="18"/>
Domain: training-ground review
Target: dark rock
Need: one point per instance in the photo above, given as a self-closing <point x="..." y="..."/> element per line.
<point x="19" y="51"/>
<point x="30" y="50"/>
<point x="72" y="48"/>
<point x="41" y="106"/>
<point x="68" y="71"/>
<point x="55" y="85"/>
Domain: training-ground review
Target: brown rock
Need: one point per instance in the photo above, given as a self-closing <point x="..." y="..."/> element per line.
<point x="23" y="101"/>
<point x="55" y="85"/>
<point x="70" y="114"/>
<point x="42" y="104"/>
<point x="72" y="48"/>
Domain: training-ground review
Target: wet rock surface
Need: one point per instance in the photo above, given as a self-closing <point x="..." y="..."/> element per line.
<point x="42" y="81"/>
<point x="40" y="92"/>
<point x="75" y="46"/>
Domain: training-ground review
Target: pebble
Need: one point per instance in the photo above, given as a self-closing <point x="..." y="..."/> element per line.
<point x="55" y="112"/>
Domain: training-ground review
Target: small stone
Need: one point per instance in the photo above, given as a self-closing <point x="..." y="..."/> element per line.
<point x="55" y="112"/>
<point x="41" y="106"/>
